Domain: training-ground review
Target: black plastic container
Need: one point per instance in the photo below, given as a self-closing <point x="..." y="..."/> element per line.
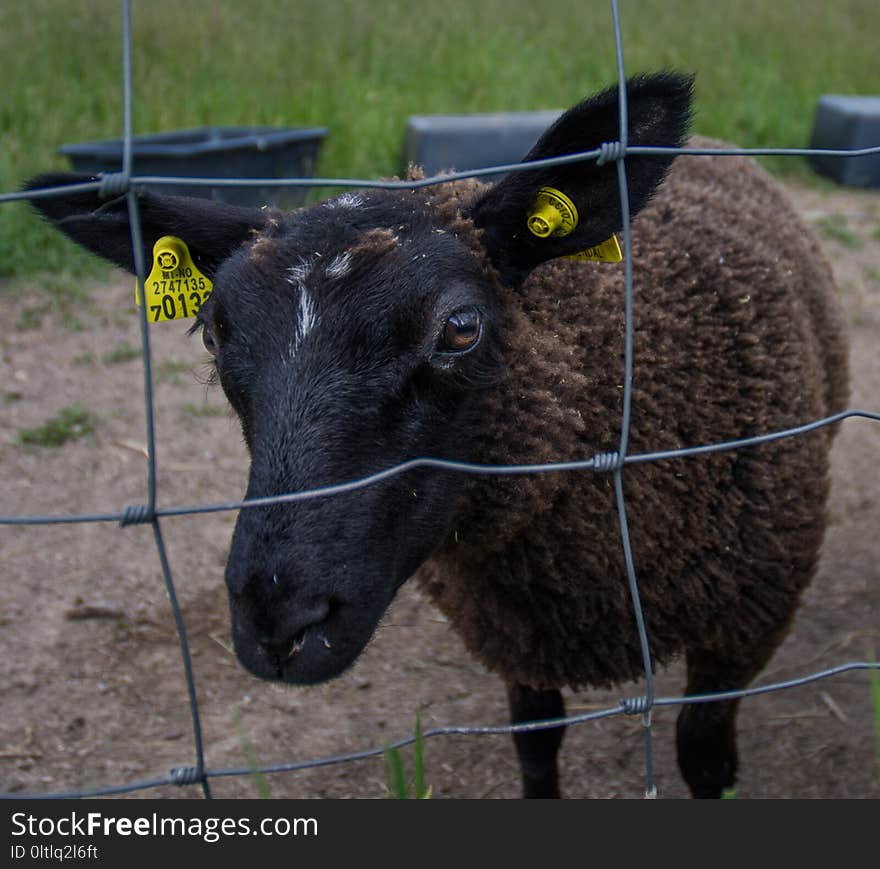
<point x="214" y="152"/>
<point x="439" y="143"/>
<point x="848" y="123"/>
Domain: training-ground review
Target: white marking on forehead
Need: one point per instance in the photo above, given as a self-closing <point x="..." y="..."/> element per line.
<point x="306" y="320"/>
<point x="339" y="265"/>
<point x="300" y="272"/>
<point x="345" y="200"/>
<point x="306" y="316"/>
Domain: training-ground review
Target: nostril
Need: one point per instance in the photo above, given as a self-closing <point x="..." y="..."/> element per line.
<point x="313" y="614"/>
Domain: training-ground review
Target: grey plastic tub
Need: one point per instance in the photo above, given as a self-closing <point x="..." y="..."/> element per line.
<point x="214" y="152"/>
<point x="848" y="123"/>
<point x="439" y="143"/>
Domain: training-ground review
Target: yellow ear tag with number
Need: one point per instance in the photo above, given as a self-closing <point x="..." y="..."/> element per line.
<point x="554" y="215"/>
<point x="175" y="288"/>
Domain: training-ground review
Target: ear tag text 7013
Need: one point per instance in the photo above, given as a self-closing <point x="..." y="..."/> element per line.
<point x="554" y="215"/>
<point x="175" y="288"/>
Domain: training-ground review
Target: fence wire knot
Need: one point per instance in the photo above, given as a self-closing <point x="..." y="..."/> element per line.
<point x="636" y="705"/>
<point x="136" y="514"/>
<point x="113" y="184"/>
<point x="605" y="463"/>
<point x="185" y="775"/>
<point x="609" y="151"/>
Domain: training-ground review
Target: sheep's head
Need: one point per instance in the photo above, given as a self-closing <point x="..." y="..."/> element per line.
<point x="348" y="337"/>
<point x="354" y="335"/>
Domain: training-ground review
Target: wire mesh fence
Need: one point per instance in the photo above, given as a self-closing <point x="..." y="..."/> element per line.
<point x="127" y="183"/>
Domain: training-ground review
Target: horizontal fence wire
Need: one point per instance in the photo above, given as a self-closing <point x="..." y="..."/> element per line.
<point x="627" y="706"/>
<point x="126" y="183"/>
<point x="602" y="462"/>
<point x="136" y="181"/>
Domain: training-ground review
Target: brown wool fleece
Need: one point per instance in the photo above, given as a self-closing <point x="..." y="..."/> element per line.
<point x="736" y="333"/>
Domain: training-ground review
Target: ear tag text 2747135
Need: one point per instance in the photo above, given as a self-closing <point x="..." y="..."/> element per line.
<point x="554" y="214"/>
<point x="175" y="288"/>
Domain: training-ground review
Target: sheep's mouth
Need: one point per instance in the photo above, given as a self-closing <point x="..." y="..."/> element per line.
<point x="313" y="658"/>
<point x="306" y="634"/>
<point x="296" y="644"/>
<point x="310" y="647"/>
<point x="317" y="653"/>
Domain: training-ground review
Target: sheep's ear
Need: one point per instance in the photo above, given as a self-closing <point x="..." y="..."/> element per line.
<point x="659" y="114"/>
<point x="211" y="230"/>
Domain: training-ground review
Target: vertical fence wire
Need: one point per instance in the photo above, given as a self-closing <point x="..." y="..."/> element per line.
<point x="631" y="577"/>
<point x="137" y="245"/>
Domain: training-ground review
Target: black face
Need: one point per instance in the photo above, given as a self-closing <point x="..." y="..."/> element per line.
<point x="348" y="337"/>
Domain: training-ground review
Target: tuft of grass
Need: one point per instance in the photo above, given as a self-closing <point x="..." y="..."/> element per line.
<point x="169" y="371"/>
<point x="398" y="786"/>
<point x="124" y="352"/>
<point x="836" y="227"/>
<point x="203" y="410"/>
<point x="31" y="317"/>
<point x="72" y="422"/>
<point x="62" y="295"/>
<point x="259" y="779"/>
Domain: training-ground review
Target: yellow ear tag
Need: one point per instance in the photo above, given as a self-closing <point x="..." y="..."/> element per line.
<point x="176" y="289"/>
<point x="552" y="214"/>
<point x="606" y="252"/>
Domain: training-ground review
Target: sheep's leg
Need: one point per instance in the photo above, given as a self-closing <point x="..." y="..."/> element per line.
<point x="537" y="749"/>
<point x="706" y="732"/>
<point x="707" y="756"/>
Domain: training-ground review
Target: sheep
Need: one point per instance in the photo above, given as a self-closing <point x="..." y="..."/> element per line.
<point x="389" y="324"/>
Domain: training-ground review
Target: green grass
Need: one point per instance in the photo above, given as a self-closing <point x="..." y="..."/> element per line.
<point x="362" y="68"/>
<point x="124" y="352"/>
<point x="836" y="227"/>
<point x="204" y="410"/>
<point x="259" y="780"/>
<point x="31" y="317"/>
<point x="72" y="422"/>
<point x="171" y="371"/>
<point x="398" y="786"/>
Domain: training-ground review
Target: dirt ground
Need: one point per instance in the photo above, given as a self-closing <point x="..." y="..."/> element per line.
<point x="92" y="684"/>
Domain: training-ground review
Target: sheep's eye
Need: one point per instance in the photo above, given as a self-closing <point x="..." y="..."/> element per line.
<point x="461" y="331"/>
<point x="209" y="341"/>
